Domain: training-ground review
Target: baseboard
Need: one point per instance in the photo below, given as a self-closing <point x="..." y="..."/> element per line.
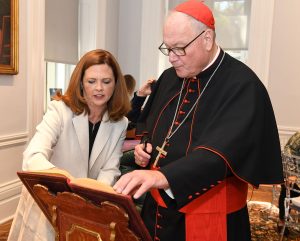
<point x="8" y="219"/>
<point x="9" y="198"/>
<point x="288" y="129"/>
<point x="285" y="132"/>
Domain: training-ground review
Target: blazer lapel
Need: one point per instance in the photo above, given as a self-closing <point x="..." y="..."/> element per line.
<point x="81" y="126"/>
<point x="102" y="137"/>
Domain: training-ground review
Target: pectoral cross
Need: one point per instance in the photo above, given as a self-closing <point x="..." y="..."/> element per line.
<point x="161" y="151"/>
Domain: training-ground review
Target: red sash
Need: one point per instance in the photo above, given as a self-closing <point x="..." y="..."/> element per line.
<point x="205" y="216"/>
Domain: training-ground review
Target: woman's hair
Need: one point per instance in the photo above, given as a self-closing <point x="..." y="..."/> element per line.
<point x="118" y="105"/>
<point x="130" y="83"/>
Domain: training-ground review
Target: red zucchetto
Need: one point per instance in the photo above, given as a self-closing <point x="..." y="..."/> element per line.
<point x="197" y="10"/>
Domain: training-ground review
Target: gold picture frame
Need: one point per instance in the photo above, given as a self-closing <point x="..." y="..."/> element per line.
<point x="9" y="37"/>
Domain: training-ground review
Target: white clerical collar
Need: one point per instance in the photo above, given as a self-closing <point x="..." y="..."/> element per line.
<point x="214" y="59"/>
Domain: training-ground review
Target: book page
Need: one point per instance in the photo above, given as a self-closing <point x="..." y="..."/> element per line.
<point x="55" y="171"/>
<point x="82" y="182"/>
<point x="92" y="184"/>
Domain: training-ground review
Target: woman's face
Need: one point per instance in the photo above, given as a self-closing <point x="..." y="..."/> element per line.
<point x="98" y="86"/>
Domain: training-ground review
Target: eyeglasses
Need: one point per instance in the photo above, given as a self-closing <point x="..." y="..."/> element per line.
<point x="179" y="51"/>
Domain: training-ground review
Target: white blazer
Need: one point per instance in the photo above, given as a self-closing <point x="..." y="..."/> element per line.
<point x="62" y="140"/>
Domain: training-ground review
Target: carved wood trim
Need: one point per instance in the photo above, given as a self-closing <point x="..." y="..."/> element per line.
<point x="76" y="218"/>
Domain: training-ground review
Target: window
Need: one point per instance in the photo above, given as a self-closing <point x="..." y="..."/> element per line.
<point x="58" y="76"/>
<point x="232" y="25"/>
<point x="61" y="44"/>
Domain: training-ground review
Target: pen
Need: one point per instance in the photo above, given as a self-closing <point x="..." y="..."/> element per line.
<point x="145" y="141"/>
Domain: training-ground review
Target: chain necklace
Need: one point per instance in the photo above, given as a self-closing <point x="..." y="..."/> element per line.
<point x="161" y="150"/>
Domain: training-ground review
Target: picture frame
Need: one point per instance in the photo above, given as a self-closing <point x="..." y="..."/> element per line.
<point x="9" y="37"/>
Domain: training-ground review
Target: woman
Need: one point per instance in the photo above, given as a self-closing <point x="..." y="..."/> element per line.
<point x="130" y="84"/>
<point x="82" y="132"/>
<point x="138" y="100"/>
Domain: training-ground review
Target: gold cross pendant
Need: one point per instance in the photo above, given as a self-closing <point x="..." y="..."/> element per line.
<point x="161" y="151"/>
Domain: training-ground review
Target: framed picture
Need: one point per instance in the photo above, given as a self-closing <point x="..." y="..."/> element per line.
<point x="9" y="37"/>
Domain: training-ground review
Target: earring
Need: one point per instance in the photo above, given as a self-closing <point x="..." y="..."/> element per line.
<point x="81" y="86"/>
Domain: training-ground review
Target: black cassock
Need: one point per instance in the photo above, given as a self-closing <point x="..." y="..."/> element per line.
<point x="231" y="132"/>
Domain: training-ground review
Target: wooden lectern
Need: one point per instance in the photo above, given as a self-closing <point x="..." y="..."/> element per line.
<point x="84" y="209"/>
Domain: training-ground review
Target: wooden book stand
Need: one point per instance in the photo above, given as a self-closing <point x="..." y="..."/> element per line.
<point x="84" y="209"/>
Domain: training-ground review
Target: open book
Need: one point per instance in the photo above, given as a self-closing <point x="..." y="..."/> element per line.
<point x="50" y="187"/>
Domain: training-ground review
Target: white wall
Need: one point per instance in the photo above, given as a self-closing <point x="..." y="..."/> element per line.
<point x="98" y="25"/>
<point x="273" y="55"/>
<point x="284" y="72"/>
<point x="20" y="109"/>
<point x="152" y="22"/>
<point x="13" y="127"/>
<point x="140" y="34"/>
<point x="260" y="38"/>
<point x="130" y="23"/>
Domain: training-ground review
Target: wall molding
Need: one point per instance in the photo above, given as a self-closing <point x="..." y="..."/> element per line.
<point x="9" y="198"/>
<point x="10" y="189"/>
<point x="36" y="77"/>
<point x="260" y="38"/>
<point x="285" y="132"/>
<point x="13" y="140"/>
<point x="288" y="130"/>
<point x="9" y="218"/>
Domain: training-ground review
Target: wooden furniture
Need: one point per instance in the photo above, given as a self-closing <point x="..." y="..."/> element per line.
<point x="76" y="218"/>
<point x="80" y="209"/>
<point x="130" y="134"/>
